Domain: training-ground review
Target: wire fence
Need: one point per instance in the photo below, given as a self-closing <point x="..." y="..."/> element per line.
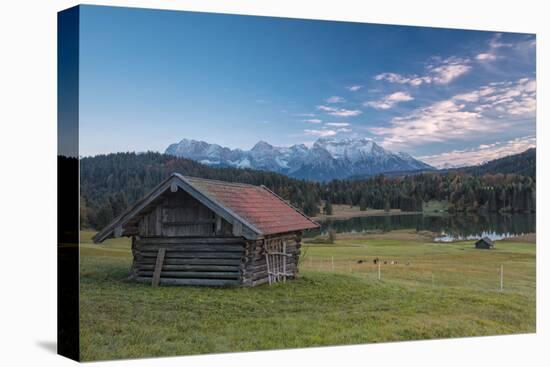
<point x="490" y="277"/>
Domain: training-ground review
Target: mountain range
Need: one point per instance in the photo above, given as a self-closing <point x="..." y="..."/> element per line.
<point x="326" y="159"/>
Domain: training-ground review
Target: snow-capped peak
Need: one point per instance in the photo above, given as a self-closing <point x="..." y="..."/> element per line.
<point x="328" y="158"/>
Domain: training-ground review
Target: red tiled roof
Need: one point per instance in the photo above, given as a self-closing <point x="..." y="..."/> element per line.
<point x="255" y="204"/>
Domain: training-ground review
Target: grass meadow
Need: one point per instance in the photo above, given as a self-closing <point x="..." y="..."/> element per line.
<point x="432" y="290"/>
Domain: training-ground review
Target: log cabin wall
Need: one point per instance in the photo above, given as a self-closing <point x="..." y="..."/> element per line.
<point x="199" y="246"/>
<point x="211" y="261"/>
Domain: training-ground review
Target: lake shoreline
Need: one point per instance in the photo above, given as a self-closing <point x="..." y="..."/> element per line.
<point x="416" y="236"/>
<point x="366" y="213"/>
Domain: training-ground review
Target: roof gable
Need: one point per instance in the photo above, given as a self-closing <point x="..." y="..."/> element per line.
<point x="254" y="211"/>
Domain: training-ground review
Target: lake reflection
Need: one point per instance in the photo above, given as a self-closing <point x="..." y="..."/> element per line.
<point x="450" y="227"/>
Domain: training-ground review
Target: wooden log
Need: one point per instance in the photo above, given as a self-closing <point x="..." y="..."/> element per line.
<point x="166" y="267"/>
<point x="183" y="281"/>
<point x="280" y="253"/>
<point x="259" y="282"/>
<point x="258" y="258"/>
<point x="188" y="223"/>
<point x="148" y="260"/>
<point x="193" y="247"/>
<point x="259" y="274"/>
<point x="285" y="237"/>
<point x="257" y="250"/>
<point x="188" y="240"/>
<point x="191" y="274"/>
<point x="263" y="267"/>
<point x="158" y="267"/>
<point x="206" y="255"/>
<point x="249" y="275"/>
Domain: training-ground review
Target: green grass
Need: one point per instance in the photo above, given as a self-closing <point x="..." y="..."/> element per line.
<point x="324" y="306"/>
<point x="435" y="206"/>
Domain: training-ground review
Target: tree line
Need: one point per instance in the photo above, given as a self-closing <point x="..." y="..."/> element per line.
<point x="112" y="182"/>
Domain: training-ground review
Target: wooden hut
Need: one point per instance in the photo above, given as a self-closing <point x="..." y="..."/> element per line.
<point x="192" y="231"/>
<point x="485" y="243"/>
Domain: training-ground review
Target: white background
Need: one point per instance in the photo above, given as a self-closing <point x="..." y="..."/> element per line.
<point x="28" y="182"/>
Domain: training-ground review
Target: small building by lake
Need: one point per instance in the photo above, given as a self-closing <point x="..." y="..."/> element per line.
<point x="485" y="243"/>
<point x="193" y="231"/>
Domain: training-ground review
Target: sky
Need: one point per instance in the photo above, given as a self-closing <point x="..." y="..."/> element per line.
<point x="149" y="78"/>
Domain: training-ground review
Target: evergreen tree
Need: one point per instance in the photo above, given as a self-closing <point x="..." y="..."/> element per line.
<point x="328" y="208"/>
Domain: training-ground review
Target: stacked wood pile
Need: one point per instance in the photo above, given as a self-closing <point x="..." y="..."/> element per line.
<point x="258" y="269"/>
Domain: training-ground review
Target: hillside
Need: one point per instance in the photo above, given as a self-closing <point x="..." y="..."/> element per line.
<point x="520" y="164"/>
<point x="523" y="164"/>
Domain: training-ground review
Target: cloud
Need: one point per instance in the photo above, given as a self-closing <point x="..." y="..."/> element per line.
<point x="344" y="130"/>
<point x="393" y="78"/>
<point x="488" y="109"/>
<point x="389" y="101"/>
<point x="320" y="133"/>
<point x="438" y="122"/>
<point x="313" y="121"/>
<point x="475" y="95"/>
<point x="491" y="54"/>
<point x="512" y="98"/>
<point x="496" y="44"/>
<point x="446" y="71"/>
<point x="440" y="71"/>
<point x="337" y="124"/>
<point x="335" y="99"/>
<point x="486" y="56"/>
<point x="341" y="112"/>
<point x="304" y="114"/>
<point x="325" y="131"/>
<point x="354" y="88"/>
<point x="483" y="153"/>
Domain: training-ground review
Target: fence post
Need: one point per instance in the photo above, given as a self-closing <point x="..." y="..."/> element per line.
<point x="332" y="259"/>
<point x="501" y="278"/>
<point x="379" y="275"/>
<point x="433" y="283"/>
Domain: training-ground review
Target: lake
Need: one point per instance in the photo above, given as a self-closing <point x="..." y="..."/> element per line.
<point x="450" y="227"/>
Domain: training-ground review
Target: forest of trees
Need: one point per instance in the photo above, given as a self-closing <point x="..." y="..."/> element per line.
<point x="524" y="164"/>
<point x="464" y="192"/>
<point x="110" y="183"/>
